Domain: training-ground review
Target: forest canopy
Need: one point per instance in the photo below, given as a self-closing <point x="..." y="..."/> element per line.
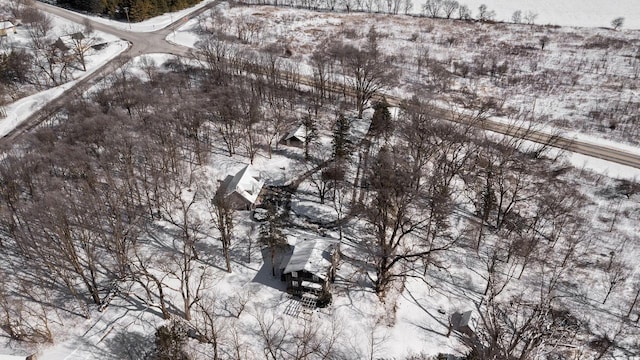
<point x="136" y="10"/>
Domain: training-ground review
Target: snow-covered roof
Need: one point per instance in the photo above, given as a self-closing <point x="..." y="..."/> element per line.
<point x="12" y="357"/>
<point x="299" y="133"/>
<point x="313" y="256"/>
<point x="6" y="25"/>
<point x="247" y="183"/>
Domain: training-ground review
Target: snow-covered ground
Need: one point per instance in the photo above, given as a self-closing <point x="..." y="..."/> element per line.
<point x="153" y="24"/>
<point x="585" y="13"/>
<point x="420" y="314"/>
<point x="278" y="22"/>
<point x="21" y="109"/>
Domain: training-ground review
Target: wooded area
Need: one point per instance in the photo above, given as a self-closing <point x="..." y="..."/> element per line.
<point x="128" y="10"/>
<point x="111" y="198"/>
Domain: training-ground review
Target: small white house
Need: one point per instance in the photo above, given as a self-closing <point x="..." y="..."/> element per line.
<point x="243" y="189"/>
<point x="296" y="137"/>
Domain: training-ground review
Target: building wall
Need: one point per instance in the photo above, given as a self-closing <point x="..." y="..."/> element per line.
<point x="293" y="142"/>
<point x="297" y="288"/>
<point x="238" y="202"/>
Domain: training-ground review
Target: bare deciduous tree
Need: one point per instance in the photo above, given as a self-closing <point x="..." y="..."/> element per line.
<point x="449" y="7"/>
<point x="222" y="215"/>
<point x="617" y="23"/>
<point x="368" y="70"/>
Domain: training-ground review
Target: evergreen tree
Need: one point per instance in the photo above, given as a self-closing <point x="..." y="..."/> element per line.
<point x="381" y="120"/>
<point x="341" y="142"/>
<point x="170" y="342"/>
<point x="140" y="10"/>
<point x="311" y="133"/>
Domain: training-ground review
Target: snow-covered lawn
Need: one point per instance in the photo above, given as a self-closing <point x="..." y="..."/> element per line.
<point x="586" y="13"/>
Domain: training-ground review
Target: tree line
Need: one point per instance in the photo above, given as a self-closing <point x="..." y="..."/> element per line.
<point x="128" y="10"/>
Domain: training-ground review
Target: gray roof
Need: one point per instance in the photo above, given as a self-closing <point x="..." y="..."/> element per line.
<point x="313" y="256"/>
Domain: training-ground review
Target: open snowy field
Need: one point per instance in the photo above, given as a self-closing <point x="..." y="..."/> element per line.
<point x="581" y="13"/>
<point x="584" y="13"/>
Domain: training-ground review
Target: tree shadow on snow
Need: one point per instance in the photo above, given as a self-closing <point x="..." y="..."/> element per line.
<point x="409" y="296"/>
<point x="265" y="274"/>
<point x="129" y="345"/>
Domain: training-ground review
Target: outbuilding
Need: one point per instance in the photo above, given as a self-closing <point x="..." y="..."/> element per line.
<point x="311" y="267"/>
<point x="242" y="190"/>
<point x="296" y="137"/>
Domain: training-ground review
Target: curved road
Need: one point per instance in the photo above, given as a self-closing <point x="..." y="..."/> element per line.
<point x="154" y="42"/>
<point x="139" y="44"/>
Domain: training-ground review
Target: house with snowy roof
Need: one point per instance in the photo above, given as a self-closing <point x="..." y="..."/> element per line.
<point x="311" y="267"/>
<point x="296" y="137"/>
<point x="242" y="190"/>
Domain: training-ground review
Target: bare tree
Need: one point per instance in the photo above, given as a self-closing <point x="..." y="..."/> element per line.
<point x="214" y="53"/>
<point x="179" y="210"/>
<point x="211" y="327"/>
<point x="250" y="119"/>
<point x="311" y="341"/>
<point x="143" y="271"/>
<point x="634" y="302"/>
<point x="369" y="71"/>
<point x="81" y="45"/>
<point x="225" y="116"/>
<point x="222" y="215"/>
<point x="617" y="23"/>
<point x="22" y="319"/>
<point x="449" y="7"/>
<point x="274" y="335"/>
<point x="50" y="58"/>
<point x="322" y="65"/>
<point x="516" y="17"/>
<point x="39" y="28"/>
<point x="432" y="8"/>
<point x="484" y="14"/>
<point x="322" y="179"/>
<point x="518" y="325"/>
<point x="530" y="17"/>
<point x="464" y="13"/>
<point x="615" y="275"/>
<point x="398" y="225"/>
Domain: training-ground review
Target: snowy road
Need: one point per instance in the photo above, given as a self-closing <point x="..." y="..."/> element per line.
<point x="140" y="43"/>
